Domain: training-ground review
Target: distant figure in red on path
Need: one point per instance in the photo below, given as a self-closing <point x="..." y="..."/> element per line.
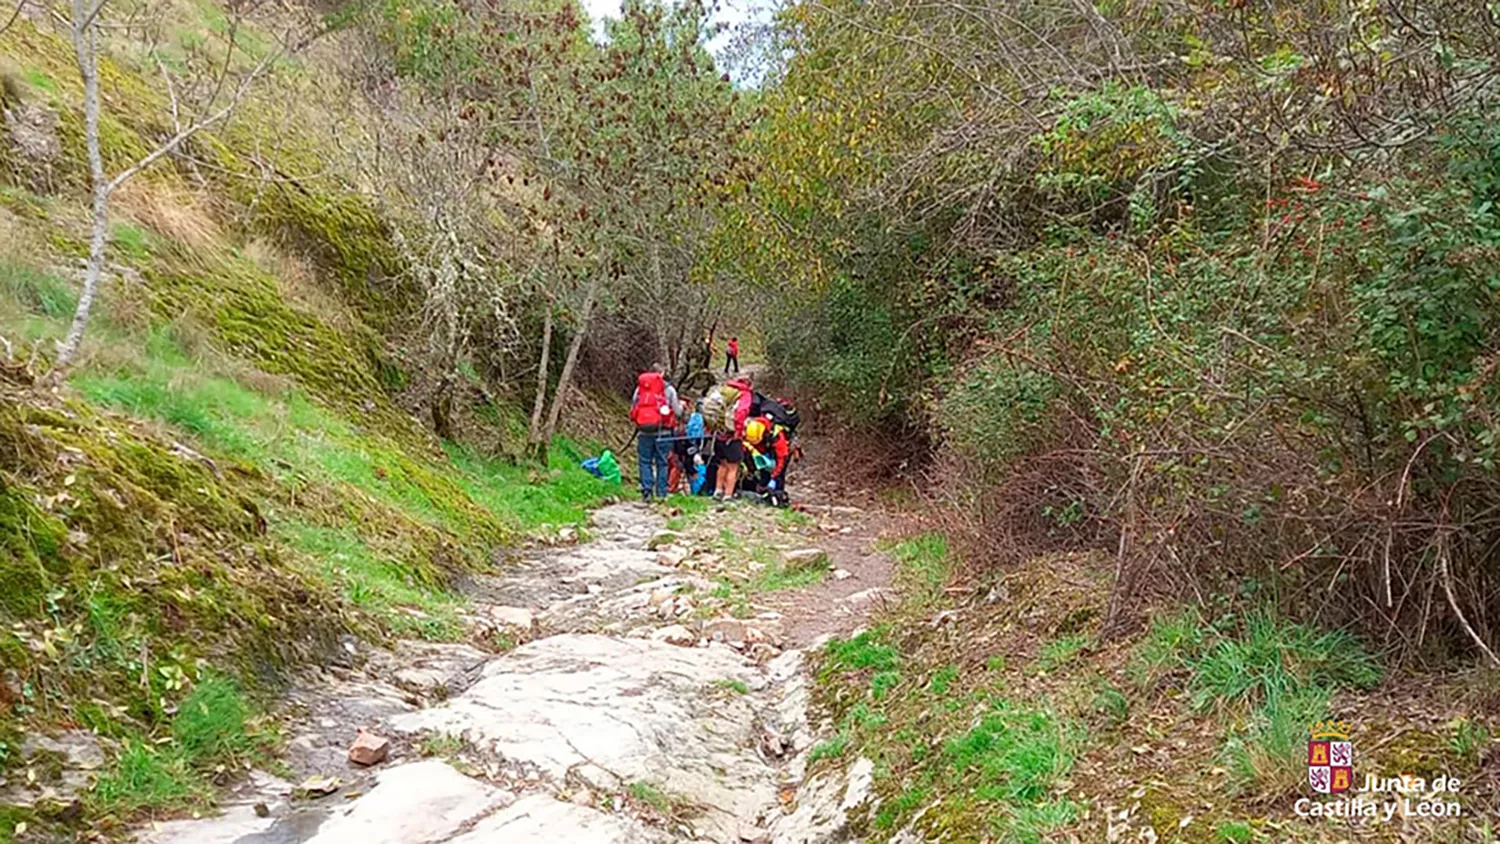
<point x="732" y="355"/>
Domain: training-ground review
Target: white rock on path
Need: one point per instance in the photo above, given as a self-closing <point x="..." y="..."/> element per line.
<point x="516" y="618"/>
<point x="541" y="819"/>
<point x="675" y="634"/>
<point x="568" y="709"/>
<point x="626" y="709"/>
<point x="414" y="804"/>
<point x="824" y="804"/>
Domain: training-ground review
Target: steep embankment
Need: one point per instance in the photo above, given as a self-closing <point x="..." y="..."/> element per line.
<point x="226" y="483"/>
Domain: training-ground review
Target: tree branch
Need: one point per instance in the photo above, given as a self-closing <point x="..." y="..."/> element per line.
<point x="183" y="134"/>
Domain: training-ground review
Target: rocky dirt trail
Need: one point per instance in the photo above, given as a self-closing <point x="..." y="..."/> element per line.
<point x="657" y="693"/>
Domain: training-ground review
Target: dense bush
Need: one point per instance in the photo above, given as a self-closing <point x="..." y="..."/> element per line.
<point x="1217" y="296"/>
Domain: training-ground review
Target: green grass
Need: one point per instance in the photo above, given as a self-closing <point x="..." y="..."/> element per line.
<point x="213" y="722"/>
<point x="980" y="762"/>
<point x="211" y="732"/>
<point x="148" y="777"/>
<point x="378" y="584"/>
<point x="440" y="744"/>
<point x="562" y="495"/>
<point x="883" y="682"/>
<point x="833" y="748"/>
<point x="794" y="520"/>
<point x="861" y="715"/>
<point x="216" y="411"/>
<point x="1269" y="753"/>
<point x="690" y="507"/>
<point x="31" y="290"/>
<point x="1469" y="741"/>
<point x="730" y="685"/>
<point x="131" y="240"/>
<point x="923" y="561"/>
<point x="663" y="801"/>
<point x="777" y="577"/>
<point x="1275" y="658"/>
<point x="39" y="79"/>
<point x="1014" y="754"/>
<point x="1033" y="823"/>
<point x="1112" y="704"/>
<point x="942" y="679"/>
<point x="651" y="795"/>
<point x="1234" y="832"/>
<point x="730" y="541"/>
<point x="902" y="806"/>
<point x="1060" y="652"/>
<point x="864" y="651"/>
<point x="1279" y="675"/>
<point x="1166" y="642"/>
<point x="460" y="492"/>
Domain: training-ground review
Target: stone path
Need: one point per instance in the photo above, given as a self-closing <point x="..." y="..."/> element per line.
<point x="627" y="713"/>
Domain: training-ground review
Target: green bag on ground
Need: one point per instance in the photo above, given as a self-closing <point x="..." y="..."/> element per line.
<point x="609" y="466"/>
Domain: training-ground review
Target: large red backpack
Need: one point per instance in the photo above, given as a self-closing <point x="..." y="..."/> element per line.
<point x="651" y="401"/>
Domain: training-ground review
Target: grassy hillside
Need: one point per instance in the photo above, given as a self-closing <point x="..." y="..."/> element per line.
<point x="227" y="480"/>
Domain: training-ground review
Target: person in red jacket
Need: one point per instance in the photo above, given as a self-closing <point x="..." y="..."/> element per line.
<point x="770" y="448"/>
<point x="732" y="355"/>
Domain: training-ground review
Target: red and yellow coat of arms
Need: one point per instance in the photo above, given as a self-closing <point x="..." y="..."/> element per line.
<point x="1330" y="758"/>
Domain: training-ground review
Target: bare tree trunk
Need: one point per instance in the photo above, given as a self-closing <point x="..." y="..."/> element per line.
<point x="539" y="404"/>
<point x="85" y="28"/>
<point x="659" y="296"/>
<point x="566" y="377"/>
<point x="85" y="47"/>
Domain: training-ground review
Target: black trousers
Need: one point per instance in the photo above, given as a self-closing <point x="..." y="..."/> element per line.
<point x="731" y="360"/>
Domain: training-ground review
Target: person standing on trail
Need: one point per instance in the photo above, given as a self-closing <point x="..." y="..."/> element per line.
<point x="652" y="409"/>
<point x="726" y="409"/>
<point x="732" y="355"/>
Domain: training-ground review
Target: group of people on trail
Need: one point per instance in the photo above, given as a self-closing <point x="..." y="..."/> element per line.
<point x="733" y="442"/>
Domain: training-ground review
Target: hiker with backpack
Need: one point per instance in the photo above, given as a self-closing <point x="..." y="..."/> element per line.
<point x="726" y="409"/>
<point x="732" y="355"/>
<point x="653" y="411"/>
